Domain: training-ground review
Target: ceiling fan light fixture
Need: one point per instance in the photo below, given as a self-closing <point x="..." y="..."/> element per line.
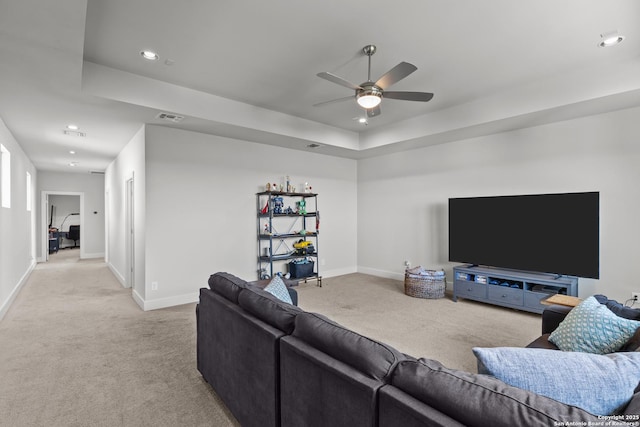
<point x="369" y="101"/>
<point x="369" y="96"/>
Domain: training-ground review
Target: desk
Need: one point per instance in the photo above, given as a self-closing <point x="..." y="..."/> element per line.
<point x="54" y="240"/>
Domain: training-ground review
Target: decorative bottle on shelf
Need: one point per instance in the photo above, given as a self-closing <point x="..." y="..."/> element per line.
<point x="288" y="187"/>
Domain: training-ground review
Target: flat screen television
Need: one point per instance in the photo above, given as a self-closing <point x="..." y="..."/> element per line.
<point x="549" y="233"/>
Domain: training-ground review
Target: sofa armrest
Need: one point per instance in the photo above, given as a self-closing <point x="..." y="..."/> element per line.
<point x="552" y="316"/>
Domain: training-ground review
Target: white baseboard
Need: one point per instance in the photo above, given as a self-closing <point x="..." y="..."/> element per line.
<point x="157" y="303"/>
<point x="4" y="308"/>
<point x="138" y="299"/>
<point x="117" y="275"/>
<point x="91" y="256"/>
<point x="337" y="272"/>
<point x="381" y="273"/>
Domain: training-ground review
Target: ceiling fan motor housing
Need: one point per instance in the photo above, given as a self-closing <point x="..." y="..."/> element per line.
<point x="369" y="95"/>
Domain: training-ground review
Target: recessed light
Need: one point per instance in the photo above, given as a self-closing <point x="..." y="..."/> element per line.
<point x="73" y="164"/>
<point x="72" y="152"/>
<point x="73" y="127"/>
<point x="610" y="38"/>
<point x="149" y="55"/>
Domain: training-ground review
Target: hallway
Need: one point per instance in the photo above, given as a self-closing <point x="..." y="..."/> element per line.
<point x="76" y="350"/>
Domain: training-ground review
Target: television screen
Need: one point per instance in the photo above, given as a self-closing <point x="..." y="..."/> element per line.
<point x="549" y="233"/>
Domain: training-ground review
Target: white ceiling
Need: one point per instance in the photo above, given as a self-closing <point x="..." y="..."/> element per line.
<point x="247" y="69"/>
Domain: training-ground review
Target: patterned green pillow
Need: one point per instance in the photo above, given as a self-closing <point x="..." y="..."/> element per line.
<point x="592" y="328"/>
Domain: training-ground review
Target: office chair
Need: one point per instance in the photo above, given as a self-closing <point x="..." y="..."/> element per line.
<point x="74" y="234"/>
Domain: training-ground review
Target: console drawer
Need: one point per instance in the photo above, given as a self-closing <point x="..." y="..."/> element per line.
<point x="470" y="289"/>
<point x="506" y="295"/>
<point x="532" y="300"/>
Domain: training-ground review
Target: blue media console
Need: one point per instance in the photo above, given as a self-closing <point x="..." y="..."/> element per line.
<point x="510" y="288"/>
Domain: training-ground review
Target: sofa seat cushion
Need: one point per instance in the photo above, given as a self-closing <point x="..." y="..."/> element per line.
<point x="269" y="309"/>
<point x="592" y="327"/>
<point x="480" y="400"/>
<point x="374" y="359"/>
<point x="227" y="285"/>
<point x="599" y="384"/>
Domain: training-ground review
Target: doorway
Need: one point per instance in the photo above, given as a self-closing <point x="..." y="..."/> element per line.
<point x="62" y="223"/>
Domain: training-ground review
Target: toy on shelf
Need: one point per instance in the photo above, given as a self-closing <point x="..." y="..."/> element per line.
<point x="278" y="204"/>
<point x="301" y="207"/>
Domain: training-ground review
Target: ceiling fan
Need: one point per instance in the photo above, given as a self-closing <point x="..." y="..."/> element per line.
<point x="369" y="94"/>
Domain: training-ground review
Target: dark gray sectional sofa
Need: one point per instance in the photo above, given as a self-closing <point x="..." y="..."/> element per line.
<point x="274" y="364"/>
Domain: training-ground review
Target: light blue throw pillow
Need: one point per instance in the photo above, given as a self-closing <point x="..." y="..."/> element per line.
<point x="599" y="384"/>
<point x="278" y="289"/>
<point x="591" y="327"/>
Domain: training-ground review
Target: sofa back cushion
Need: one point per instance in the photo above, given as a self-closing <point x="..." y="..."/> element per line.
<point x="374" y="359"/>
<point x="480" y="400"/>
<point x="268" y="308"/>
<point x="227" y="285"/>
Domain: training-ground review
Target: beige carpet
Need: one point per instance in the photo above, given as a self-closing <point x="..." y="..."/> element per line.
<point x="75" y="349"/>
<point x="434" y="328"/>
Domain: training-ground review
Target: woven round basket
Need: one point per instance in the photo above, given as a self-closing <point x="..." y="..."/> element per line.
<point x="429" y="285"/>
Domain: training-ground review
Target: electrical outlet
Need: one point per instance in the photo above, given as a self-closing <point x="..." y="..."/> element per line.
<point x="154" y="286"/>
<point x="407" y="264"/>
<point x="635" y="296"/>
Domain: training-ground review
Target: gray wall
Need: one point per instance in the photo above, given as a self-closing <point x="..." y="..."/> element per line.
<point x="403" y="197"/>
<point x="17" y="234"/>
<point x="200" y="208"/>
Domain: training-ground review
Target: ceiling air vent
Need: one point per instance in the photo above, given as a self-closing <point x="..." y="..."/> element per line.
<point x="174" y="118"/>
<point x="96" y="172"/>
<point x="74" y="133"/>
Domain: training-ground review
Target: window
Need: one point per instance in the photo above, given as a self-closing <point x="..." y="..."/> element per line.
<point x="28" y="192"/>
<point x="5" y="172"/>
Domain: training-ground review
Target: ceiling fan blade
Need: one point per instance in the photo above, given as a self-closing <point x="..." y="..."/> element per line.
<point x="346" y="98"/>
<point x="375" y="111"/>
<point x="396" y="74"/>
<point x="339" y="80"/>
<point x="409" y="96"/>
